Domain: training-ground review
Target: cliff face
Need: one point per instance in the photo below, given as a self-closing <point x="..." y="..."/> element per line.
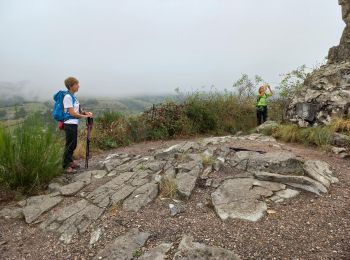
<point x="342" y="51"/>
<point x="326" y="91"/>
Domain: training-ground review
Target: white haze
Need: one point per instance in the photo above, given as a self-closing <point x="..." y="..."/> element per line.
<point x="128" y="47"/>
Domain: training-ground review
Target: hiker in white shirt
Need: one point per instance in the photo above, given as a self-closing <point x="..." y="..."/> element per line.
<point x="71" y="105"/>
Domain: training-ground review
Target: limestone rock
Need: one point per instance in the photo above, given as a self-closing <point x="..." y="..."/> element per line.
<point x="189" y="250"/>
<point x="37" y="205"/>
<point x="98" y="174"/>
<point x="301" y="182"/>
<point x="124" y="247"/>
<point x="267" y="127"/>
<point x="54" y="187"/>
<point x="113" y="191"/>
<point x="141" y="197"/>
<point x="157" y="253"/>
<point x="72" y="188"/>
<point x="274" y="162"/>
<point x="95" y="236"/>
<point x="239" y="198"/>
<point x="341" y="140"/>
<point x="72" y="219"/>
<point x="342" y="51"/>
<point x="320" y="171"/>
<point x="325" y="93"/>
<point x="338" y="150"/>
<point x="281" y="195"/>
<point x="83" y="177"/>
<point x="186" y="181"/>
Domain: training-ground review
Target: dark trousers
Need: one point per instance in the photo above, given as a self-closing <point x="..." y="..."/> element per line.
<point x="71" y="143"/>
<point x="261" y="114"/>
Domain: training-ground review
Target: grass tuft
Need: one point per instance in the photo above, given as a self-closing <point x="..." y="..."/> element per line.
<point x="168" y="187"/>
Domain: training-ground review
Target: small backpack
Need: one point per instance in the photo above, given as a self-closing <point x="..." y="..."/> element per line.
<point x="58" y="109"/>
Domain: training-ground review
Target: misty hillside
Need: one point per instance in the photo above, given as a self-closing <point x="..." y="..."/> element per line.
<point x="19" y="106"/>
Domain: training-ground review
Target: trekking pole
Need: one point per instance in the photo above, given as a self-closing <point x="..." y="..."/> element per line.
<point x="89" y="123"/>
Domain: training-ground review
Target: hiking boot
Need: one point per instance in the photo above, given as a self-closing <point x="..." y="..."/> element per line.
<point x="70" y="170"/>
<point x="74" y="165"/>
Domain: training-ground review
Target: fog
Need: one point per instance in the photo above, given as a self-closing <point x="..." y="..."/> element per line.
<point x="128" y="47"/>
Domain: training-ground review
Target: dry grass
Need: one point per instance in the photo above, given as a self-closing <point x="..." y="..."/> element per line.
<point x="341" y="125"/>
<point x="168" y="188"/>
<point x="207" y="160"/>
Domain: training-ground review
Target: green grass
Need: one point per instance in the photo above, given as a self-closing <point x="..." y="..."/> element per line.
<point x="30" y="156"/>
<point x="311" y="136"/>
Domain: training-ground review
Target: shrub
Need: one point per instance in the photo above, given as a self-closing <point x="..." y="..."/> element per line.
<point x="30" y="156"/>
<point x="112" y="130"/>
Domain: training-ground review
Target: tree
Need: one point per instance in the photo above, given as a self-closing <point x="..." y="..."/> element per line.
<point x="247" y="87"/>
<point x="292" y="82"/>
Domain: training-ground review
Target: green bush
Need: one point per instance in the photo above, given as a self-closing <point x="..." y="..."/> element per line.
<point x="30" y="156"/>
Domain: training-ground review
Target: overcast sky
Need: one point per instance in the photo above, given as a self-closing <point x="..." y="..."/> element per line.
<point x="130" y="47"/>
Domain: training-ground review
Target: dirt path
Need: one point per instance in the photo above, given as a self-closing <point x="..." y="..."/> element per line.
<point x="305" y="227"/>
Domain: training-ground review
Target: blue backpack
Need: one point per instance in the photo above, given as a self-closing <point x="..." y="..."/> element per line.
<point x="58" y="109"/>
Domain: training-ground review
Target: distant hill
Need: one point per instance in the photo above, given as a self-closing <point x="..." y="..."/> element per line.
<point x="17" y="107"/>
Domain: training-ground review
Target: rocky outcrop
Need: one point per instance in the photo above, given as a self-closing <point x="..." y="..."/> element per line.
<point x="238" y="182"/>
<point x="342" y="51"/>
<point x="326" y="91"/>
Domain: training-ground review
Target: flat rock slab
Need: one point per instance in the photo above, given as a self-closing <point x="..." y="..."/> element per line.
<point x="72" y="219"/>
<point x="157" y="253"/>
<point x="72" y="188"/>
<point x="141" y="197"/>
<point x="124" y="247"/>
<point x="189" y="250"/>
<point x="186" y="181"/>
<point x="239" y="198"/>
<point x="83" y="177"/>
<point x="301" y="182"/>
<point x="10" y="213"/>
<point x="35" y="206"/>
<point x="274" y="162"/>
<point x="103" y="195"/>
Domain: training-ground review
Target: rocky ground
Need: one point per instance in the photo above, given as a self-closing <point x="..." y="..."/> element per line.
<point x="276" y="201"/>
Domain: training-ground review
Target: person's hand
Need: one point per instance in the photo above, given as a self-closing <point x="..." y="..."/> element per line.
<point x="88" y="114"/>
